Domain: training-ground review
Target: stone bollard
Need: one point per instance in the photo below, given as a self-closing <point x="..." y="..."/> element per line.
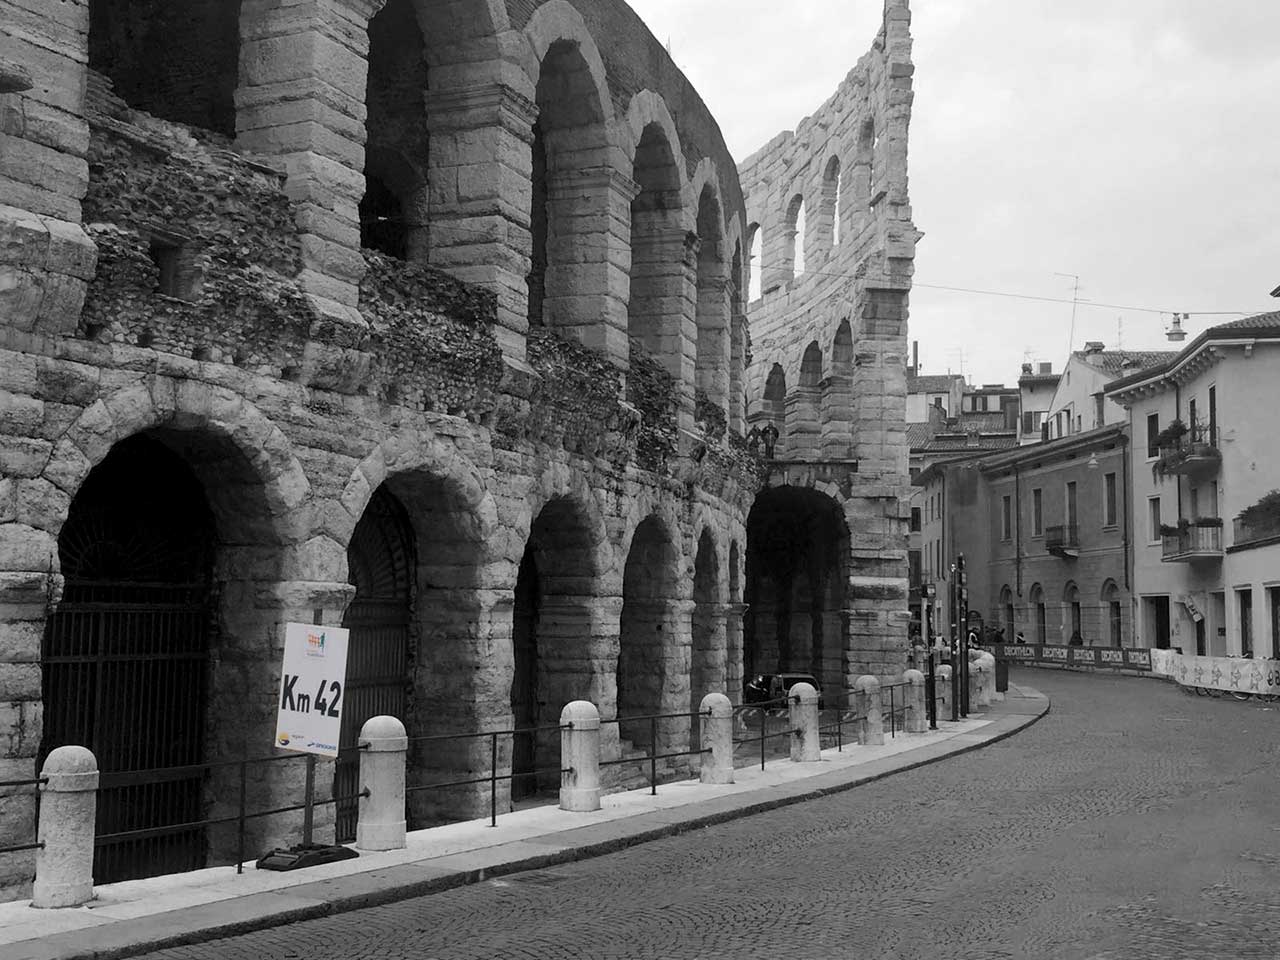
<point x="580" y="757"/>
<point x="915" y="716"/>
<point x="68" y="811"/>
<point x="987" y="695"/>
<point x="717" y="736"/>
<point x="944" y="688"/>
<point x="975" y="684"/>
<point x="381" y="823"/>
<point x="802" y="701"/>
<point x="867" y="698"/>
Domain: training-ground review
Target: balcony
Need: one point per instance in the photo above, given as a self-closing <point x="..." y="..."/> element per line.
<point x="1187" y="543"/>
<point x="1193" y="453"/>
<point x="1258" y="533"/>
<point x="1063" y="540"/>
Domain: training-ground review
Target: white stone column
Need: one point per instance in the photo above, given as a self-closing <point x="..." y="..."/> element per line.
<point x="68" y="812"/>
<point x="734" y="646"/>
<point x="915" y="717"/>
<point x="867" y="699"/>
<point x="384" y="746"/>
<point x="806" y="744"/>
<point x="943" y="689"/>
<point x="717" y="737"/>
<point x="580" y="757"/>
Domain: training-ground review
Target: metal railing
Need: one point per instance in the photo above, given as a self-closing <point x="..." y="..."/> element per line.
<point x="31" y="782"/>
<point x="1061" y="535"/>
<point x="897" y="711"/>
<point x="843" y="717"/>
<point x="114" y="780"/>
<point x="493" y="776"/>
<point x="765" y="707"/>
<point x="652" y="756"/>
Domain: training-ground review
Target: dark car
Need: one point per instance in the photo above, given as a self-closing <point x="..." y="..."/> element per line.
<point x="764" y="687"/>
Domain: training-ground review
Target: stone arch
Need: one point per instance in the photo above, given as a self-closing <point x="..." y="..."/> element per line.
<point x="454" y="30"/>
<point x="114" y="479"/>
<point x="796" y="571"/>
<point x="1008" y="619"/>
<point x="837" y="397"/>
<point x="653" y="638"/>
<point x="804" y="407"/>
<point x="864" y="169"/>
<point x="811" y="365"/>
<point x="828" y="226"/>
<point x="1113" y="608"/>
<point x="755" y="262"/>
<point x="1039" y="615"/>
<point x="1073" y="625"/>
<point x="712" y="347"/>
<point x="554" y="634"/>
<point x="657" y="238"/>
<point x="793" y="238"/>
<point x="707" y="667"/>
<point x="393" y="211"/>
<point x="576" y="191"/>
<point x="178" y="61"/>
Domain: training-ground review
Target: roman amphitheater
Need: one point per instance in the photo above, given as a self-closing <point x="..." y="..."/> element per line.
<point x="433" y="319"/>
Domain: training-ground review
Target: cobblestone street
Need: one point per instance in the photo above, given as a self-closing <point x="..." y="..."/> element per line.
<point x="1134" y="821"/>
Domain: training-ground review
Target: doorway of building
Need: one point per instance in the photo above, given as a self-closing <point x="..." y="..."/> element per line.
<point x="1157" y="617"/>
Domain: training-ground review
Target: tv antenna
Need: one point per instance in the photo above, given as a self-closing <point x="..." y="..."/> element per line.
<point x="1075" y="300"/>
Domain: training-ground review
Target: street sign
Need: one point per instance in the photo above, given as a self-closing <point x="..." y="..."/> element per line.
<point x="313" y="681"/>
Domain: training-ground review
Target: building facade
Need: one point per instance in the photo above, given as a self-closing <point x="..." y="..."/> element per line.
<point x="1206" y="533"/>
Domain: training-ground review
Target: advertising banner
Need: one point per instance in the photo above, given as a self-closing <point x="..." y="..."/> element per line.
<point x="1114" y="658"/>
<point x="1222" y="673"/>
<point x="312" y="683"/>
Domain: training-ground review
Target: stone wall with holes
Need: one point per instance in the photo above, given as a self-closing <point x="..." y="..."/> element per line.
<point x="161" y="279"/>
<point x="834" y="335"/>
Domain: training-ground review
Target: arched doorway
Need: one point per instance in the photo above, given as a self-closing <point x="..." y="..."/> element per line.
<point x="707" y="663"/>
<point x="647" y="630"/>
<point x="381" y="560"/>
<point x="125" y="656"/>
<point x="797" y="542"/>
<point x="552" y="639"/>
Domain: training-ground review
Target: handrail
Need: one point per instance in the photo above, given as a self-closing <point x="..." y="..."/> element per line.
<point x="653" y="757"/>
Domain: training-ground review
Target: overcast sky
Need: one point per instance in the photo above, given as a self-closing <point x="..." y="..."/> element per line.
<point x="1132" y="143"/>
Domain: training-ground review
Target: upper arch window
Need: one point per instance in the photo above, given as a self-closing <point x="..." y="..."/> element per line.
<point x="795" y="235"/>
<point x="775" y="386"/>
<point x="712" y="347"/>
<point x="393" y="211"/>
<point x="655" y="232"/>
<point x="755" y="263"/>
<point x="177" y="60"/>
<point x="831" y="201"/>
<point x="811" y="365"/>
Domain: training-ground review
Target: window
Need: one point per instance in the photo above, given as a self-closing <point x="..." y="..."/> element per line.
<point x="1078" y="421"/>
<point x="1153" y="430"/>
<point x="1070" y="517"/>
<point x="1210" y="504"/>
<point x="1195" y="502"/>
<point x="1192" y="419"/>
<point x="1031" y="420"/>
<point x="1071" y="597"/>
<point x="1099" y="409"/>
<point x="1041" y="615"/>
<point x="1115" y="625"/>
<point x="915" y="519"/>
<point x="1006" y="517"/>
<point x="1213" y="415"/>
<point x="1109" y="500"/>
<point x="1273" y="593"/>
<point x="1153" y="519"/>
<point x="1037" y="513"/>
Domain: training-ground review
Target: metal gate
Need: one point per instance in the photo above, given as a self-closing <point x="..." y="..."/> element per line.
<point x="381" y="563"/>
<point x="125" y="673"/>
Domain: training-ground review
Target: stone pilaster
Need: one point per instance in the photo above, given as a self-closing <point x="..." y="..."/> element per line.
<point x="837" y="418"/>
<point x="737" y="363"/>
<point x="803" y="426"/>
<point x="303" y="75"/>
<point x="734" y="614"/>
<point x="588" y="258"/>
<point x="713" y="346"/>
<point x="480" y="169"/>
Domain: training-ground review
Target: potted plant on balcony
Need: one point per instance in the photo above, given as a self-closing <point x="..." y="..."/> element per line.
<point x="1172" y="450"/>
<point x="1207" y="522"/>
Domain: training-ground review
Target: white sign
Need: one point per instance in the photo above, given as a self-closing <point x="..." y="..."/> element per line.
<point x="312" y="688"/>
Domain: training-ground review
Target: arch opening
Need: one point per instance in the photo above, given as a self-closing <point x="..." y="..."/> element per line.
<point x="755" y="262"/>
<point x="177" y="60"/>
<point x="1007" y="614"/>
<point x="1112" y="604"/>
<point x="657" y="274"/>
<point x="797" y="226"/>
<point x="831" y="182"/>
<point x="568" y="138"/>
<point x="393" y="210"/>
<point x="163" y="543"/>
<point x="551" y="641"/>
<point x="707" y="665"/>
<point x="381" y="565"/>
<point x="1039" y="613"/>
<point x="712" y="350"/>
<point x="797" y="545"/>
<point x="649" y="637"/>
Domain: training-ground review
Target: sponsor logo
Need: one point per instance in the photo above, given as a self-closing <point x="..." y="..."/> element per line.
<point x="1112" y="656"/>
<point x="1053" y="653"/>
<point x="315" y="644"/>
<point x="283" y="739"/>
<point x="322" y="746"/>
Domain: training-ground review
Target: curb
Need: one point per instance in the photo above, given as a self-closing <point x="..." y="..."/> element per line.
<point x="409" y="890"/>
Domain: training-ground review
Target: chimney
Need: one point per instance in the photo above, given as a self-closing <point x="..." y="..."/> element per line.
<point x="915" y="358"/>
<point x="1094" y="346"/>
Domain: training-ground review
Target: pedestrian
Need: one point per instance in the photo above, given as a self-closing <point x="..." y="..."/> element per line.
<point x="1020" y="638"/>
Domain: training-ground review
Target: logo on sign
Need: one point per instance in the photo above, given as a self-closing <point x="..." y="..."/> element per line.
<point x="315" y="644"/>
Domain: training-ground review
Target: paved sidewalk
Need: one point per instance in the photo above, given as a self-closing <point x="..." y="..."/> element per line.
<point x="137" y="916"/>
